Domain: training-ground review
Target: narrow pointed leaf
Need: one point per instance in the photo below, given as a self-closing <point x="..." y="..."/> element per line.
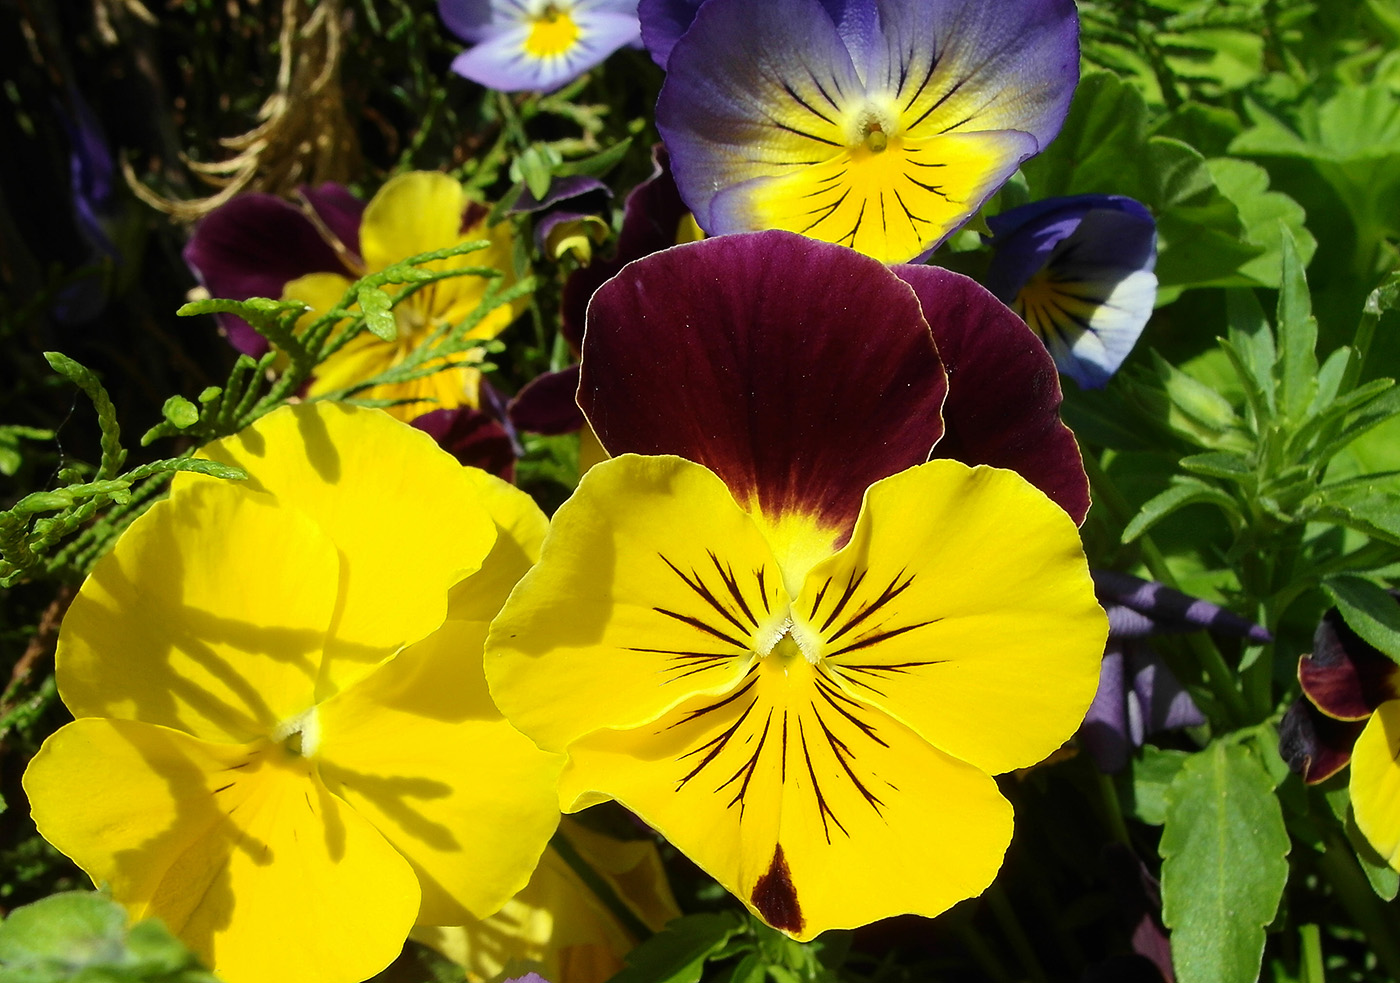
<point x="1370" y="611"/>
<point x="1297" y="330"/>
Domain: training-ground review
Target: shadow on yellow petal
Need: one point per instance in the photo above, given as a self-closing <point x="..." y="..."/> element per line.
<point x="520" y="530"/>
<point x="1375" y="781"/>
<point x="556" y="926"/>
<point x="419" y="749"/>
<point x="209" y="616"/>
<point x="653" y="585"/>
<point x="238" y="848"/>
<point x="816" y="811"/>
<point x="401" y="511"/>
<point x="963" y="607"/>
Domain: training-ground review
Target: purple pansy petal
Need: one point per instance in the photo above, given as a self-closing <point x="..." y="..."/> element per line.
<point x="1023" y="238"/>
<point x="472" y="20"/>
<point x="1079" y="271"/>
<point x="1164" y="704"/>
<point x="1346" y="677"/>
<point x="472" y="437"/>
<point x="1104" y="733"/>
<point x="500" y="59"/>
<point x="91" y="171"/>
<point x="743" y="79"/>
<point x="252" y="247"/>
<point x="547" y="405"/>
<point x="974" y="65"/>
<point x="651" y="220"/>
<point x="721" y="351"/>
<point x="1137" y="608"/>
<point x="1315" y="745"/>
<point x="340" y="212"/>
<point x="560" y="189"/>
<point x="663" y="23"/>
<point x="1004" y="397"/>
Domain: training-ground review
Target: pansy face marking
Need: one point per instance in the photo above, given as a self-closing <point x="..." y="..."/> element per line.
<point x="877" y="124"/>
<point x="769" y="625"/>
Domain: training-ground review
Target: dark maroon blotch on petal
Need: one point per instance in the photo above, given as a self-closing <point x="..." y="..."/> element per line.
<point x="798" y="371"/>
<point x="1346" y="677"/>
<point x="775" y="897"/>
<point x="1003" y="389"/>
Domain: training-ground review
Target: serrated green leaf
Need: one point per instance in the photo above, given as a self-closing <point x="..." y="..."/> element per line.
<point x="1369" y="610"/>
<point x="180" y="412"/>
<point x="1224" y="854"/>
<point x="677" y="954"/>
<point x="1183" y="492"/>
<point x="1264" y="214"/>
<point x="378" y="308"/>
<point x="73" y="929"/>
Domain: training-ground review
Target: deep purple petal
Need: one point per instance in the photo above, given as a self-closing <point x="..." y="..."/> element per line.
<point x="91" y="171"/>
<point x="663" y="23"/>
<point x="561" y="189"/>
<point x="1160" y="610"/>
<point x="1345" y="676"/>
<point x="1004" y="394"/>
<point x="1104" y="732"/>
<point x="251" y="247"/>
<point x="798" y="371"/>
<point x="339" y="210"/>
<point x="651" y="219"/>
<point x="472" y="437"/>
<point x="547" y="404"/>
<point x="1315" y="745"/>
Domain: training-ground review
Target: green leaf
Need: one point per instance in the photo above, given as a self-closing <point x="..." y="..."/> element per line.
<point x="1251" y="336"/>
<point x="1152" y="774"/>
<point x="1224" y="848"/>
<point x="597" y="164"/>
<point x="677" y="954"/>
<point x="1220" y="464"/>
<point x="1264" y="213"/>
<point x="180" y="412"/>
<point x="1297" y="335"/>
<point x="1370" y="611"/>
<point x="379" y="312"/>
<point x="73" y="929"/>
<point x="112" y="454"/>
<point x="10" y="438"/>
<point x="1183" y="492"/>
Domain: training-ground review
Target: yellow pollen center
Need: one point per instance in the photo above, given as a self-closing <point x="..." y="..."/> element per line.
<point x="552" y="33"/>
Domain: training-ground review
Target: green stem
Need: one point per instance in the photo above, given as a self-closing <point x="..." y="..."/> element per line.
<point x="1310" y="963"/>
<point x="600" y="887"/>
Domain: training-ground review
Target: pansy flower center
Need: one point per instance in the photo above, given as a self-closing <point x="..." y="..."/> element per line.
<point x="299" y="736"/>
<point x="552" y="32"/>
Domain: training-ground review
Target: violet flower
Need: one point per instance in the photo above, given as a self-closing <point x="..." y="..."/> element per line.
<point x="539" y="45"/>
<point x="1079" y="271"/>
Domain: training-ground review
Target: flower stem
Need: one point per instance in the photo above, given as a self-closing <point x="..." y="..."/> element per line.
<point x="600" y="887"/>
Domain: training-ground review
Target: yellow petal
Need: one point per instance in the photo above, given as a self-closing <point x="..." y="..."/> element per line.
<point x="208" y="616"/>
<point x="653" y="585"/>
<point x="520" y="529"/>
<point x="402" y="512"/>
<point x="557" y="926"/>
<point x="457" y="297"/>
<point x="237" y="848"/>
<point x="320" y="291"/>
<point x="963" y="607"/>
<point x="419" y="749"/>
<point x="1375" y="781"/>
<point x="413" y="213"/>
<point x="816" y="811"/>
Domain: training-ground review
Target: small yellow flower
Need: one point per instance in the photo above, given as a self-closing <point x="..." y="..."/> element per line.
<point x="284" y="745"/>
<point x="415" y="213"/>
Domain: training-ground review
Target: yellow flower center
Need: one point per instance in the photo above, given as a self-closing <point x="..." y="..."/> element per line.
<point x="552" y="33"/>
<point x="299" y="736"/>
